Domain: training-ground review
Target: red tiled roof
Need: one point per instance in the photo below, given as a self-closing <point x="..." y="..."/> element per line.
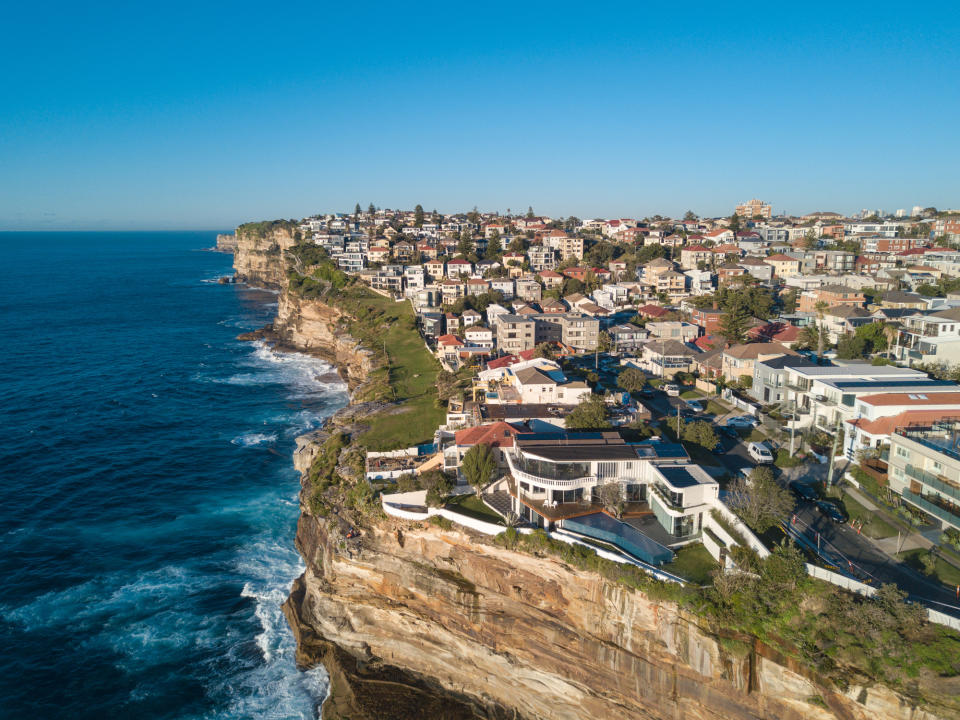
<point x="652" y="310"/>
<point x="919" y="398"/>
<point x="498" y="434"/>
<point x="886" y="425"/>
<point x="449" y="340"/>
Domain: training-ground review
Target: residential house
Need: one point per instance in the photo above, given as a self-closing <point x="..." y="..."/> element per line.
<point x="769" y="376"/>
<point x="929" y="339"/>
<point x="739" y="360"/>
<point x="627" y="337"/>
<point x="783" y="265"/>
<point x="708" y="318"/>
<point x="832" y="295"/>
<point x="666" y="357"/>
<point x="673" y="329"/>
<point x="551" y="279"/>
<point x="693" y="255"/>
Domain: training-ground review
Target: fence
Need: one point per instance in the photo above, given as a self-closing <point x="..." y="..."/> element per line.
<point x="741" y="404"/>
<point x="407" y="506"/>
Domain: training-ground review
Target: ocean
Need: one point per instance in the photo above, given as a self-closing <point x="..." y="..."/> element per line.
<point x="149" y="500"/>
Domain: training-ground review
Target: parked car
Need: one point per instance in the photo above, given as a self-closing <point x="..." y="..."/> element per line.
<point x="647" y="391"/>
<point x="731" y="432"/>
<point x="832" y="511"/>
<point x="695" y="406"/>
<point x="672" y="390"/>
<point x="804" y="491"/>
<point x="742" y="421"/>
<point x="760" y="453"/>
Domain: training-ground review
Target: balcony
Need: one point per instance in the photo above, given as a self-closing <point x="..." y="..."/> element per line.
<point x="567" y="483"/>
<point x="947" y="512"/>
<point x="664" y="496"/>
<point x="932" y="481"/>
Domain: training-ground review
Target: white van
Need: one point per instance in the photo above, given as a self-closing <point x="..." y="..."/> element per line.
<point x="671" y="390"/>
<point x="760" y="453"/>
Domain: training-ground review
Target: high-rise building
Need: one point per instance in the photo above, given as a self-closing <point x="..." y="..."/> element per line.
<point x="754" y="208"/>
<point x="901" y="213"/>
<point x="917" y="210"/>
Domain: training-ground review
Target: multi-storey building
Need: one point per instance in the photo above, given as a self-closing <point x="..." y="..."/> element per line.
<point x="515" y="333"/>
<point x="931" y="338"/>
<point x="755" y="208"/>
<point x="924" y="468"/>
<point x="557" y="479"/>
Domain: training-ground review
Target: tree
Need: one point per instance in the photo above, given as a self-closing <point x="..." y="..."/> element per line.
<point x="734" y="222"/>
<point x="631" y="379"/>
<point x="438" y="487"/>
<point x="810" y="240"/>
<point x="479" y="466"/>
<point x="689" y="216"/>
<point x="604" y="342"/>
<point x="494" y="247"/>
<point x="418" y="216"/>
<point x="371" y="210"/>
<point x="465" y="244"/>
<point x="789" y="301"/>
<point x="611" y="497"/>
<point x="356" y="211"/>
<point x="760" y="501"/>
<point x="543" y="350"/>
<point x="591" y="414"/>
<point x="700" y="433"/>
<point x="735" y="323"/>
<point x="530" y="215"/>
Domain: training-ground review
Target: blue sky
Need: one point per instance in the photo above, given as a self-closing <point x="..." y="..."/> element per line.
<point x="205" y="115"/>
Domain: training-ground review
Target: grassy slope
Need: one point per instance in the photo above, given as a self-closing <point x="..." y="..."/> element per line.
<point x="383" y="325"/>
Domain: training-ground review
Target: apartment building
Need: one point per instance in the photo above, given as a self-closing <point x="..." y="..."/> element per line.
<point x="515" y="333"/>
<point x="739" y="360"/>
<point x="827" y="395"/>
<point x="769" y="376"/>
<point x="924" y="468"/>
<point x="542" y="257"/>
<point x="755" y="208"/>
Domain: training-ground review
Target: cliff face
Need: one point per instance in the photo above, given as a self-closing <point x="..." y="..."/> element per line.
<point x="258" y="256"/>
<point x="226" y="243"/>
<point x="311" y="326"/>
<point x="509" y="630"/>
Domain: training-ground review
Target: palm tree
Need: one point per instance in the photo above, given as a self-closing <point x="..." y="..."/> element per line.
<point x="892" y="333"/>
<point x="820" y="307"/>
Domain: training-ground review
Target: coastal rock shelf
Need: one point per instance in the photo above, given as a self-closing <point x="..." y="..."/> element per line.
<point x="417" y="621"/>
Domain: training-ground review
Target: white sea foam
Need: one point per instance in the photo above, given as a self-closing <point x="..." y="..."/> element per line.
<point x="254" y="439"/>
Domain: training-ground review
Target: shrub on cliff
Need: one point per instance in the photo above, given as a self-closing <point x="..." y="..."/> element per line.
<point x="438" y="487"/>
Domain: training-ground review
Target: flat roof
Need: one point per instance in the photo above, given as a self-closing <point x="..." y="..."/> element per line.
<point x="680" y="476"/>
<point x="920" y="385"/>
<point x="571" y="447"/>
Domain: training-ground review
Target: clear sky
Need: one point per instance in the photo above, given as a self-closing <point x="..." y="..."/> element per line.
<point x="205" y="115"/>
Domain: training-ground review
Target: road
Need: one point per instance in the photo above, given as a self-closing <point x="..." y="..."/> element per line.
<point x="841" y="543"/>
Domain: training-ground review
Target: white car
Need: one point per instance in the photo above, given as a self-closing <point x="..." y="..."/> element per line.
<point x="695" y="406"/>
<point x="760" y="453"/>
<point x="671" y="390"/>
<point x="741" y="421"/>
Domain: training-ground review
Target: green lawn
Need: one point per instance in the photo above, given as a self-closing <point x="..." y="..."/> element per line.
<point x="874" y="526"/>
<point x="693" y="563"/>
<point x="409" y="379"/>
<point x="715" y="408"/>
<point x="691" y="395"/>
<point x="944" y="572"/>
<point x="472" y="506"/>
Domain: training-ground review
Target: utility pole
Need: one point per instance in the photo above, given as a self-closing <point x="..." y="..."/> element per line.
<point x="793" y="423"/>
<point x="833" y="451"/>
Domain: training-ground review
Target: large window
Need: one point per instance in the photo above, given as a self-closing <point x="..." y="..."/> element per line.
<point x="551" y="470"/>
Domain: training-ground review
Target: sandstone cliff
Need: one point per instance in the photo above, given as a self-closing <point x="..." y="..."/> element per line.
<point x="258" y="256"/>
<point x="534" y="635"/>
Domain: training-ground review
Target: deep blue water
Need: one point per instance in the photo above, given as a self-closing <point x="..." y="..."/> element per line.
<point x="148" y="500"/>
